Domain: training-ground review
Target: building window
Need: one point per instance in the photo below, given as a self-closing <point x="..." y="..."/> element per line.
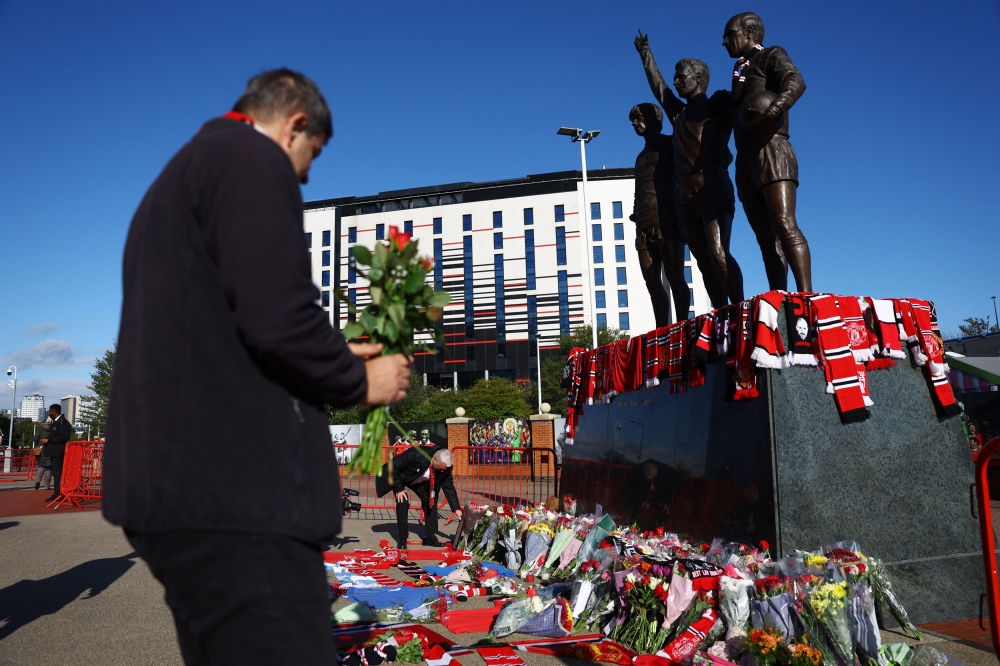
<point x="563" y="304"/>
<point x="687" y="253"/>
<point x="352" y="296"/>
<point x="408" y="227"/>
<point x="619" y="231"/>
<point x="560" y="213"/>
<point x="529" y="258"/>
<point x="326" y="239"/>
<point x="599" y="298"/>
<point x="691" y="297"/>
<point x="326" y="279"/>
<point x="616" y="209"/>
<point x="533" y="321"/>
<point x="379" y="232"/>
<point x="529" y="216"/>
<point x="622" y="278"/>
<point x="326" y="257"/>
<point x="466" y="223"/>
<point x="352" y="235"/>
<point x="470" y="353"/>
<point x="560" y="246"/>
<point x="598" y="254"/>
<point x="467" y="278"/>
<point x="309" y="240"/>
<point x="438" y="263"/>
<point x="687" y="274"/>
<point x="595" y="210"/>
<point x="623" y="321"/>
<point x="597" y="235"/>
<point x="691" y="314"/>
<point x="325" y="298"/>
<point x="620" y="254"/>
<point x="623" y="298"/>
<point x="497" y="219"/>
<point x="500" y="305"/>
<point x="498" y="241"/>
<point x="352" y="275"/>
<point x="437" y="225"/>
<point x="599" y="277"/>
<point x="602" y="320"/>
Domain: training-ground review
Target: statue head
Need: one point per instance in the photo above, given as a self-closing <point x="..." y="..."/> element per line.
<point x="743" y="31"/>
<point x="690" y="77"/>
<point x="647" y="119"/>
<point x="425" y="435"/>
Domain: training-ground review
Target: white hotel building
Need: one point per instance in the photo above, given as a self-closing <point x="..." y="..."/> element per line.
<point x="510" y="254"/>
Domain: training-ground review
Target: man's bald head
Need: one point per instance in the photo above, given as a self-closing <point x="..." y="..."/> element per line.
<point x="443" y="459"/>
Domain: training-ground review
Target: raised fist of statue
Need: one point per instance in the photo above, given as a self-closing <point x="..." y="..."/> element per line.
<point x="642" y="43"/>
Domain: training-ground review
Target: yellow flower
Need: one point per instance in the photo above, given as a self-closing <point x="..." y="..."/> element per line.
<point x="816" y="560"/>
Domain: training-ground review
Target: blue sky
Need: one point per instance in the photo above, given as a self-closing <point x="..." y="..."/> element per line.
<point x="896" y="134"/>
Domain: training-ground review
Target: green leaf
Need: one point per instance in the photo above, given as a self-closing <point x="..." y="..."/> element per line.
<point x="439" y="299"/>
<point x="376" y="294"/>
<point x="375" y="274"/>
<point x="415" y="281"/>
<point x="408" y="253"/>
<point x="397" y="313"/>
<point x="369" y="322"/>
<point x="380" y="255"/>
<point x="391" y="331"/>
<point x="353" y="330"/>
<point x="362" y="255"/>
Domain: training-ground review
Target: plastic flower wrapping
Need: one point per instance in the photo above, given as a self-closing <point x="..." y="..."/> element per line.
<point x="656" y="592"/>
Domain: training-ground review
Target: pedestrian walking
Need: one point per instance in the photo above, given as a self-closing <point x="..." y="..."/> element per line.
<point x="43" y="463"/>
<point x="220" y="314"/>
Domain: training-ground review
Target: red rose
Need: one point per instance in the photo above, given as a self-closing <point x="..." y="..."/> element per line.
<point x="400" y="239"/>
<point x="659" y="531"/>
<point x="427" y="263"/>
<point x="384" y="543"/>
<point x="705" y="547"/>
<point x="645" y="580"/>
<point x="628" y="586"/>
<point x="861" y="567"/>
<point x="764" y="545"/>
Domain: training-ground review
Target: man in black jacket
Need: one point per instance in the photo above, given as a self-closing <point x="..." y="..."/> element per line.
<point x="54" y="447"/>
<point x="413" y="469"/>
<point x="220" y="308"/>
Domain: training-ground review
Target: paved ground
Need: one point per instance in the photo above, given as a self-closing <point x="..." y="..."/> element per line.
<point x="73" y="592"/>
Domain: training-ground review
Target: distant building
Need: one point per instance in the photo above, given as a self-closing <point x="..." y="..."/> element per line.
<point x="72" y="408"/>
<point x="510" y="253"/>
<point x="32" y="407"/>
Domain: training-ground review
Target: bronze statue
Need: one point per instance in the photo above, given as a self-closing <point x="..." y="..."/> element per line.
<point x="658" y="238"/>
<point x="765" y="86"/>
<point x="703" y="190"/>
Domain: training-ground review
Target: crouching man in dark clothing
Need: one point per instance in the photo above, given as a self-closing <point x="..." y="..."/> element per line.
<point x="425" y="470"/>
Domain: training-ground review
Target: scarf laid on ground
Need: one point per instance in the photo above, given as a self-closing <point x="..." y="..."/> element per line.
<point x="635" y="371"/>
<point x="925" y="322"/>
<point x="473" y="620"/>
<point x="801" y="334"/>
<point x="676" y="355"/>
<point x="692" y="337"/>
<point x="768" y="348"/>
<point x="839" y="364"/>
<point x="857" y="331"/>
<point x="591" y="647"/>
<point x="684" y="646"/>
<point x="501" y="655"/>
<point x="414" y="570"/>
<point x="887" y="331"/>
<point x="741" y="373"/>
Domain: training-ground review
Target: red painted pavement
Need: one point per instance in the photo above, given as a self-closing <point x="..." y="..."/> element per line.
<point x="31" y="502"/>
<point x="966" y="630"/>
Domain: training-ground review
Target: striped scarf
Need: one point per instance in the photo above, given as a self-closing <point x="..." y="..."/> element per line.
<point x="842" y="370"/>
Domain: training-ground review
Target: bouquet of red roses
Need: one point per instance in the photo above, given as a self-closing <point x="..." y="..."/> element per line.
<point x="401" y="305"/>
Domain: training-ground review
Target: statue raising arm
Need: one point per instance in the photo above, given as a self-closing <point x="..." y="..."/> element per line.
<point x="671" y="105"/>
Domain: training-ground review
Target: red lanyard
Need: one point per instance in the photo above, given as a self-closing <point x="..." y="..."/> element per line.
<point x="240" y="117"/>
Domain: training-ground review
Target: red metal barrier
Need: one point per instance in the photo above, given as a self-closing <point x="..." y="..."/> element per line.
<point x="982" y="490"/>
<point x="481" y="474"/>
<point x="83" y="471"/>
<point x="22" y="465"/>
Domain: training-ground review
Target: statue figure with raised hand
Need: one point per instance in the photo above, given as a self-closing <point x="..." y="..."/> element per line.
<point x="658" y="238"/>
<point x="766" y="84"/>
<point x="703" y="191"/>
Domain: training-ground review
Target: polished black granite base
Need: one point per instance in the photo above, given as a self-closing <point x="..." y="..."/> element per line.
<point x="783" y="468"/>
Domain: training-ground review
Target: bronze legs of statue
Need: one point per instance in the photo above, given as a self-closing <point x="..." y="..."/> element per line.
<point x="708" y="234"/>
<point x="656" y="258"/>
<point x="771" y="213"/>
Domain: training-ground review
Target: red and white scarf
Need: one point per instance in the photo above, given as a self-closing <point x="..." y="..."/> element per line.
<point x="706" y="337"/>
<point x="888" y="331"/>
<point x="741" y="371"/>
<point x="843" y="379"/>
<point x="925" y="321"/>
<point x="676" y="364"/>
<point x="635" y="375"/>
<point x="769" y="349"/>
<point x="693" y="329"/>
<point x="654" y="340"/>
<point x="857" y="331"/>
<point x="908" y="329"/>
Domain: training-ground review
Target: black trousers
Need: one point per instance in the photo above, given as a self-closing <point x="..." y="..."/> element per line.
<point x="422" y="491"/>
<point x="57" y="465"/>
<point x="243" y="598"/>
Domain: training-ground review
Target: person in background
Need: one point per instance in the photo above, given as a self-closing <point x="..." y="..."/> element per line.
<point x="413" y="469"/>
<point x="54" y="446"/>
<point x="43" y="464"/>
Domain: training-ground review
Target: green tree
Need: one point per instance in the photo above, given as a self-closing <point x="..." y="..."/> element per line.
<point x="440" y="405"/>
<point x="95" y="407"/>
<point x="978" y="326"/>
<point x="494" y="399"/>
<point x="552" y="365"/>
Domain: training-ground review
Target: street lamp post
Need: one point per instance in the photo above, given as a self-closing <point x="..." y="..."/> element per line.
<point x="538" y="357"/>
<point x="583" y="138"/>
<point x="997" y="320"/>
<point x="12" y="370"/>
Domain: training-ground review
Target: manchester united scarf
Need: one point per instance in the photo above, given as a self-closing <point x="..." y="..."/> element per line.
<point x="693" y="357"/>
<point x="676" y="364"/>
<point x="887" y="331"/>
<point x="908" y="330"/>
<point x="741" y="372"/>
<point x="857" y="331"/>
<point x="839" y="364"/>
<point x="635" y="371"/>
<point x="619" y="365"/>
<point x="652" y="359"/>
<point x="593" y="647"/>
<point x="705" y="345"/>
<point x="500" y="655"/>
<point x="684" y="646"/>
<point x="925" y="322"/>
<point x="768" y="348"/>
<point x="573" y="367"/>
<point x="801" y="336"/>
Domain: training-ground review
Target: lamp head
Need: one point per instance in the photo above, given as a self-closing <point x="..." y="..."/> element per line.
<point x="571" y="132"/>
<point x="10" y="370"/>
<point x="590" y="136"/>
